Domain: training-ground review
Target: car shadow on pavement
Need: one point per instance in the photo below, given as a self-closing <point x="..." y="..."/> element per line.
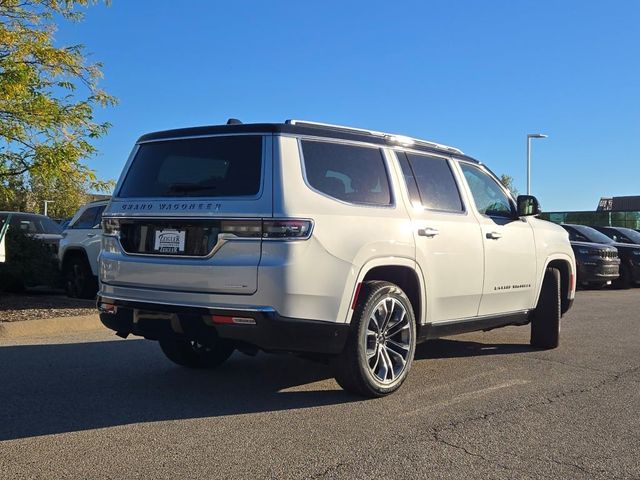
<point x="56" y="388"/>
<point x="448" y="348"/>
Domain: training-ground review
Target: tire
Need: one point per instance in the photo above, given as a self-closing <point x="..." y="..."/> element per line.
<point x="79" y="280"/>
<point x="545" y="324"/>
<point x="624" y="280"/>
<point x="363" y="366"/>
<point x="190" y="354"/>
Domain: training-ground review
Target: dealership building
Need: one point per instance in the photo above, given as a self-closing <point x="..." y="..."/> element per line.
<point x="611" y="211"/>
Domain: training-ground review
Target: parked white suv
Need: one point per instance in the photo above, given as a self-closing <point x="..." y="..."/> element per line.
<point x="324" y="240"/>
<point x="79" y="248"/>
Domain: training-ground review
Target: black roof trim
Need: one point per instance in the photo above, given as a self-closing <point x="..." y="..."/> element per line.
<point x="316" y="131"/>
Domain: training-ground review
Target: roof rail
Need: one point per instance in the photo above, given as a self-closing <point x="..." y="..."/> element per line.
<point x="400" y="139"/>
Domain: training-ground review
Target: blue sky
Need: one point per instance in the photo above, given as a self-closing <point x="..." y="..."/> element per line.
<point x="478" y="75"/>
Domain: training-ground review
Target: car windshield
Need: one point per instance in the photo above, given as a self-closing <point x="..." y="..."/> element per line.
<point x="630" y="234"/>
<point x="592" y="234"/>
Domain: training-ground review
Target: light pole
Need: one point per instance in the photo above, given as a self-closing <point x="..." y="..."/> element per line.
<point x="46" y="205"/>
<point x="529" y="137"/>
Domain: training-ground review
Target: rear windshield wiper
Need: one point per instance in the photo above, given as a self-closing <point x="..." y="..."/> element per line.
<point x="189" y="187"/>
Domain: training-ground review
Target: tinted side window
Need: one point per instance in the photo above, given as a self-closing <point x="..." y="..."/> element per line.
<point x="25" y="224"/>
<point x="409" y="179"/>
<point x="350" y="173"/>
<point x="437" y="187"/>
<point x="489" y="197"/>
<point x="87" y="219"/>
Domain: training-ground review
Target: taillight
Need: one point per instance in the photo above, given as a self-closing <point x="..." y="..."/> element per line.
<point x="111" y="227"/>
<point x="242" y="228"/>
<point x="286" y="229"/>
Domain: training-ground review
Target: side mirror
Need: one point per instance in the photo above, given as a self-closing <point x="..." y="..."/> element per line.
<point x="528" y="205"/>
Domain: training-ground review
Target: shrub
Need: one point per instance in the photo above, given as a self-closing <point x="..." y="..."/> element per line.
<point x="29" y="262"/>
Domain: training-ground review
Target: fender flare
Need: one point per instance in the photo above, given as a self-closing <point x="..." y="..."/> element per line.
<point x="352" y="288"/>
<point x="572" y="270"/>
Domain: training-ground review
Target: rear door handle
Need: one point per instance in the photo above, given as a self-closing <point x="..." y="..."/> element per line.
<point x="494" y="235"/>
<point x="428" y="232"/>
<point x="91" y="235"/>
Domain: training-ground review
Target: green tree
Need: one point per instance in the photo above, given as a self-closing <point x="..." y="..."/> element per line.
<point x="47" y="99"/>
<point x="507" y="181"/>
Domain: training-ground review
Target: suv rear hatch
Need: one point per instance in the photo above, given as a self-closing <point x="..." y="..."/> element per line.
<point x="189" y="214"/>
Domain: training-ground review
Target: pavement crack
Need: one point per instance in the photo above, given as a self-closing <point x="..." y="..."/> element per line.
<point x="329" y="470"/>
<point x="436" y="432"/>
<point x="573" y="465"/>
<point x="569" y="364"/>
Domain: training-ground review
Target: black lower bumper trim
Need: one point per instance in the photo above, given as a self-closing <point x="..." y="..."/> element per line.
<point x="271" y="331"/>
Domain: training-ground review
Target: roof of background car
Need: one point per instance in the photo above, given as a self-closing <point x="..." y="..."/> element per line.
<point x="315" y="130"/>
<point x="23" y="213"/>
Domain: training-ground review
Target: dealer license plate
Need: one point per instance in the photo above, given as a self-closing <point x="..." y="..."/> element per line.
<point x="169" y="241"/>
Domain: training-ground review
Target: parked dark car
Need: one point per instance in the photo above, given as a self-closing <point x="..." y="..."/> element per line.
<point x="36" y="226"/>
<point x="629" y="254"/>
<point x="597" y="264"/>
<point x="621" y="234"/>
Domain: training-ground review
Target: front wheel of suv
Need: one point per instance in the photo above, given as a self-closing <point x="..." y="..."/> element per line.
<point x="191" y="354"/>
<point x="545" y="324"/>
<point x="379" y="351"/>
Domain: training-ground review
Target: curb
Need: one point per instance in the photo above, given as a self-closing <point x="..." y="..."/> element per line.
<point x="50" y="326"/>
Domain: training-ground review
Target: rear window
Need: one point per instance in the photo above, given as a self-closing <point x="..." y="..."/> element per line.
<point x="350" y="173"/>
<point x="201" y="167"/>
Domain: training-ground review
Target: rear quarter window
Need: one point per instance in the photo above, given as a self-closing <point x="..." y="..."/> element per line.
<point x="349" y="173"/>
<point x="201" y="167"/>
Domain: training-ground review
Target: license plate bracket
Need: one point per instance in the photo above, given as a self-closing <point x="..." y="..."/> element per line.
<point x="169" y="241"/>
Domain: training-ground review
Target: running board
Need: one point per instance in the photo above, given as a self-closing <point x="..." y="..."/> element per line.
<point x="466" y="325"/>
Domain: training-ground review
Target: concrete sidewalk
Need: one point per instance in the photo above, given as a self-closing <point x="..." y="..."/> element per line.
<point x="50" y="326"/>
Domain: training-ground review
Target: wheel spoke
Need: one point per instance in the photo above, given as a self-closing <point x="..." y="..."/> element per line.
<point x="381" y="362"/>
<point x="389" y="362"/>
<point x="396" y="355"/>
<point x="373" y="353"/>
<point x="403" y="346"/>
<point x="388" y="313"/>
<point x="398" y="326"/>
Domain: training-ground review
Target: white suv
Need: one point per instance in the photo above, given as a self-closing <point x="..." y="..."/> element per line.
<point x="79" y="248"/>
<point x="325" y="240"/>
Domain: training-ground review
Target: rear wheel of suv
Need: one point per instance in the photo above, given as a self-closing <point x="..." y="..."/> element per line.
<point x="545" y="324"/>
<point x="191" y="354"/>
<point x="79" y="280"/>
<point x="381" y="344"/>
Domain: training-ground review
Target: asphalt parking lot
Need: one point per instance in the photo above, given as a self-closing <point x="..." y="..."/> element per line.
<point x="482" y="405"/>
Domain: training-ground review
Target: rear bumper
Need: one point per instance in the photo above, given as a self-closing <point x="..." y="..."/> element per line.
<point x="270" y="332"/>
